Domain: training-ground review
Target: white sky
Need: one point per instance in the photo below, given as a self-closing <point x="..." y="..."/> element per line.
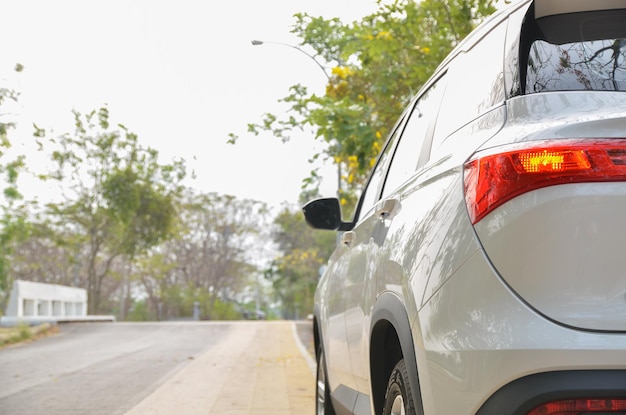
<point x="180" y="74"/>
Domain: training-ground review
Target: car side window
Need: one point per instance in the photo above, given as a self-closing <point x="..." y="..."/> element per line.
<point x="372" y="191"/>
<point x="475" y="84"/>
<point x="415" y="135"/>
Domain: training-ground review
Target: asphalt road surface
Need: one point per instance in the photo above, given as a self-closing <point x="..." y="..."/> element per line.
<point x="109" y="368"/>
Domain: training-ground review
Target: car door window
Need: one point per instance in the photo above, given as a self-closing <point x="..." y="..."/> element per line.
<point x="414" y="136"/>
<point x="372" y="192"/>
<point x="475" y="84"/>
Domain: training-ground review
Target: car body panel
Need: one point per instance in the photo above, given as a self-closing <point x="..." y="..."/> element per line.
<point x="572" y="115"/>
<point x="330" y="304"/>
<point x="562" y="251"/>
<point x="533" y="292"/>
<point x="551" y="7"/>
<point x="561" y="248"/>
<point x="472" y="348"/>
<point x="359" y="295"/>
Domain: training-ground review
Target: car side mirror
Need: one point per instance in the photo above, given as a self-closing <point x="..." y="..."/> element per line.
<point x="325" y="214"/>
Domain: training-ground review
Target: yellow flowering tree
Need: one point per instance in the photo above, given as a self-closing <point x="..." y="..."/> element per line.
<point x="378" y="64"/>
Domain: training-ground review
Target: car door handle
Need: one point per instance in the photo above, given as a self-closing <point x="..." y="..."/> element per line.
<point x="387" y="208"/>
<point x="347" y="238"/>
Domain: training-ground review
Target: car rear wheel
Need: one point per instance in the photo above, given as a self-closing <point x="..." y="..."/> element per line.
<point x="398" y="398"/>
<point x="322" y="402"/>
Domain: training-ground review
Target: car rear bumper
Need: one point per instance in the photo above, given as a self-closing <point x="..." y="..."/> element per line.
<point x="479" y="337"/>
<point x="522" y="395"/>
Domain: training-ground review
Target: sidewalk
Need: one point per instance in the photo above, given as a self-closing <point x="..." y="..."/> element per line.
<point x="259" y="369"/>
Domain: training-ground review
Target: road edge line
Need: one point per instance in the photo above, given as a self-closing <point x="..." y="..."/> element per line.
<point x="303" y="350"/>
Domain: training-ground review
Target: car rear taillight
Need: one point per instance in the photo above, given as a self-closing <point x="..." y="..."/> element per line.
<point x="497" y="175"/>
<point x="581" y="407"/>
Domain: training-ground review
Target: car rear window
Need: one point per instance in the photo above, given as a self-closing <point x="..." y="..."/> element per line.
<point x="577" y="52"/>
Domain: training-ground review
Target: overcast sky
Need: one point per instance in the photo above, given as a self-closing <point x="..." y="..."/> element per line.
<point x="180" y="74"/>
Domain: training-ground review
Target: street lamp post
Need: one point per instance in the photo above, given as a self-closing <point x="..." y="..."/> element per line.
<point x="261" y="42"/>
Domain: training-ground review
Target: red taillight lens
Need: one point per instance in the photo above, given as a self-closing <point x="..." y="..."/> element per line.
<point x="492" y="178"/>
<point x="582" y="407"/>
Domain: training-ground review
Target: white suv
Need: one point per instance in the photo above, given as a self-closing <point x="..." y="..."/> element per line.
<point x="484" y="271"/>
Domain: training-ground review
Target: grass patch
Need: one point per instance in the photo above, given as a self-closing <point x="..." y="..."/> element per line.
<point x="24" y="333"/>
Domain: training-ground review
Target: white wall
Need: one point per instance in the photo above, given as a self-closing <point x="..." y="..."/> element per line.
<point x="35" y="299"/>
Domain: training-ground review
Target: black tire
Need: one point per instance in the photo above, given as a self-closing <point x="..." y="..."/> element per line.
<point x="398" y="397"/>
<point x="323" y="406"/>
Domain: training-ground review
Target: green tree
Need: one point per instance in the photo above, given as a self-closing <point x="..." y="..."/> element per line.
<point x="212" y="259"/>
<point x="13" y="214"/>
<point x="117" y="199"/>
<point x="43" y="256"/>
<point x="294" y="274"/>
<point x="378" y="64"/>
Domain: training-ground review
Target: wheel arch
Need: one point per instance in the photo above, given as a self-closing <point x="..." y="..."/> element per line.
<point x="391" y="340"/>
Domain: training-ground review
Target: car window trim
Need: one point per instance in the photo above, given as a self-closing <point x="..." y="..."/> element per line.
<point x="400" y="124"/>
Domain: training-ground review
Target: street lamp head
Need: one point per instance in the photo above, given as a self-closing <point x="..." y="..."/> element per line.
<point x="257" y="42"/>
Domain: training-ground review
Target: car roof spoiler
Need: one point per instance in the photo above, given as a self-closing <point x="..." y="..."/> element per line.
<point x="544" y="8"/>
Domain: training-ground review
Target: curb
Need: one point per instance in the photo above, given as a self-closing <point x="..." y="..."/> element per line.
<point x="305" y="353"/>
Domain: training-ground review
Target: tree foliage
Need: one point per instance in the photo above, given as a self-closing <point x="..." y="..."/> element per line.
<point x="378" y="64"/>
<point x="117" y="199"/>
<point x="212" y="258"/>
<point x="123" y="227"/>
<point x="303" y="252"/>
<point x="13" y="215"/>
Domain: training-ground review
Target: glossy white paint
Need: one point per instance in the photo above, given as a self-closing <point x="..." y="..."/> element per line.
<point x="477" y="336"/>
<point x="545" y="8"/>
<point x="526" y="290"/>
<point x="572" y="115"/>
<point x="561" y="249"/>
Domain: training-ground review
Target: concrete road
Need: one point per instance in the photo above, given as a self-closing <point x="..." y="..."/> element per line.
<point x="237" y="368"/>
